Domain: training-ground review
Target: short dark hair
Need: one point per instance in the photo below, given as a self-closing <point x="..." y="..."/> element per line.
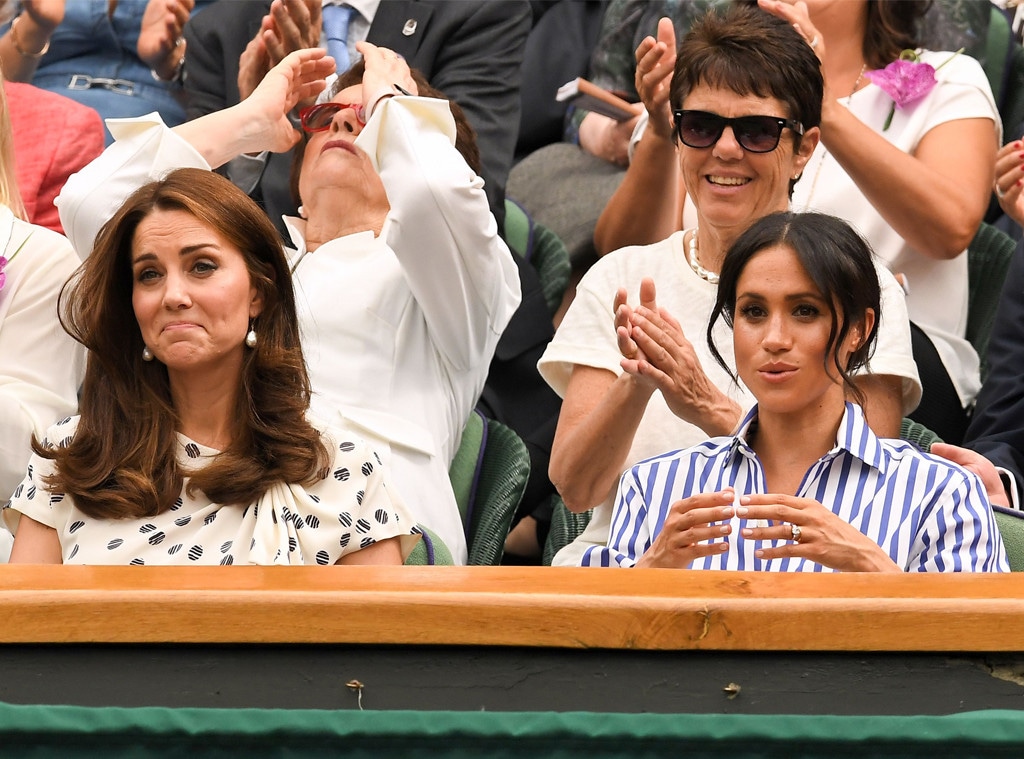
<point x="836" y="258"/>
<point x="751" y="52"/>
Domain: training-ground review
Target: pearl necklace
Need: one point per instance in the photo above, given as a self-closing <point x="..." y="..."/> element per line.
<point x="824" y="150"/>
<point x="694" y="262"/>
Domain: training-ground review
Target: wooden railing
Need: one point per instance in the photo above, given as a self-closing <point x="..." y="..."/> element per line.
<point x="512" y="606"/>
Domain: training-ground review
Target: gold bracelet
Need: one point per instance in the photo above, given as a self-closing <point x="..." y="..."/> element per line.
<point x="17" y="46"/>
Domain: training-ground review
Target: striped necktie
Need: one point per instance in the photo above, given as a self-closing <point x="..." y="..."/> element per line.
<point x="336" y="18"/>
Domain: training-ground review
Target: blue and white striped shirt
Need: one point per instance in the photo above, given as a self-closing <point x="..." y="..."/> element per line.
<point x="927" y="513"/>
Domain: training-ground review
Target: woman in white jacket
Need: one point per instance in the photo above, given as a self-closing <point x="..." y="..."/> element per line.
<point x="40" y="365"/>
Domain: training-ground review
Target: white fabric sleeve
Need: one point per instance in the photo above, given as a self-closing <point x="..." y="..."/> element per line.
<point x="586" y="335"/>
<point x="41" y="367"/>
<point x="893" y="355"/>
<point x="440" y="226"/>
<point x="143" y="150"/>
<point x="964" y="93"/>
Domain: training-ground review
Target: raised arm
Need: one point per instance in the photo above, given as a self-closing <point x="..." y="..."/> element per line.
<point x="477" y="65"/>
<point x="160" y="45"/>
<point x="933" y="196"/>
<point x="1009" y="184"/>
<point x="144" y="149"/>
<point x="647" y="206"/>
<point x="27" y="39"/>
<point x="460" y="271"/>
<point x="260" y="122"/>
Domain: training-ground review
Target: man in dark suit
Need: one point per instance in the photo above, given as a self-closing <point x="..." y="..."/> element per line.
<point x="471" y="50"/>
<point x="997" y="427"/>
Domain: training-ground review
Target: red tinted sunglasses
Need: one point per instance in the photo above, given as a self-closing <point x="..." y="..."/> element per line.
<point x="318" y="118"/>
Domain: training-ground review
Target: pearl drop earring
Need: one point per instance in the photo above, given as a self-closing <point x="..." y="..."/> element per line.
<point x="147" y="354"/>
<point x="250" y="338"/>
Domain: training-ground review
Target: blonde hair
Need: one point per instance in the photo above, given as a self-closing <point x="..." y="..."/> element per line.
<point x="9" y="194"/>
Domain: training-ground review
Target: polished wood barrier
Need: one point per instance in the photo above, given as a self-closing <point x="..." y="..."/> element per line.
<point x="512" y="606"/>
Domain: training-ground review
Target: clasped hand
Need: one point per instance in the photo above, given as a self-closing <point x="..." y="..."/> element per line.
<point x="702" y="525"/>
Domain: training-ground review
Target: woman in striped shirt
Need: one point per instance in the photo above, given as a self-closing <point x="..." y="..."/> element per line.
<point x="804" y="485"/>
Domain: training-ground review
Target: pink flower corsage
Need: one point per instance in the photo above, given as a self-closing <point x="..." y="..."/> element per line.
<point x="5" y="261"/>
<point x="906" y="80"/>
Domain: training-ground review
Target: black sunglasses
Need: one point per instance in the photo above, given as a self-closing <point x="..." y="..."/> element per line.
<point x="756" y="134"/>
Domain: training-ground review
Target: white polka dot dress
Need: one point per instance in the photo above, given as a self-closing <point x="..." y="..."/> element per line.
<point x="351" y="508"/>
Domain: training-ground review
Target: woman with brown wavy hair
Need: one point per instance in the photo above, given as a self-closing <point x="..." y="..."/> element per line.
<point x="193" y="444"/>
<point x="403" y="285"/>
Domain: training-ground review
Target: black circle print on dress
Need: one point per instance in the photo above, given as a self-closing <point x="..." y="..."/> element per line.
<point x="74" y="552"/>
<point x="367" y="469"/>
<point x="323" y="558"/>
<point x="136" y="562"/>
<point x="227" y="561"/>
<point x="192" y="451"/>
<point x="115" y="543"/>
<point x="156" y="538"/>
<point x="182" y="521"/>
<point x="381" y="515"/>
<point x="341" y="475"/>
<point x="77" y="525"/>
<point x="175" y="548"/>
<point x="347" y="447"/>
<point x="362" y="526"/>
<point x="366" y="542"/>
<point x="345" y="518"/>
<point x="147" y="528"/>
<point x="312" y="521"/>
<point x="225" y="547"/>
<point x="177" y="504"/>
<point x="195" y="553"/>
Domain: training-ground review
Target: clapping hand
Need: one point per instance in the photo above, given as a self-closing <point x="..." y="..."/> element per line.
<point x="655" y="64"/>
<point x="160" y="33"/>
<point x="656" y="352"/>
<point x="1009" y="183"/>
<point x="290" y="26"/>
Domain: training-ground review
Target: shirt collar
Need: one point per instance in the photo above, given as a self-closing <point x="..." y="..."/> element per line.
<point x="854" y="436"/>
<point x="365" y="8"/>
